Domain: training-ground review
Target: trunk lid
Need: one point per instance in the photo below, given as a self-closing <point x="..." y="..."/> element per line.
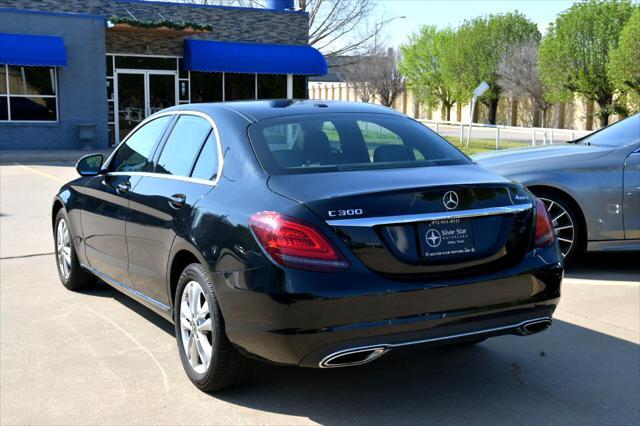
<point x="396" y="221"/>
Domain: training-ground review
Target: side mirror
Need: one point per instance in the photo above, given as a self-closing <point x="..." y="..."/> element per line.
<point x="89" y="165"/>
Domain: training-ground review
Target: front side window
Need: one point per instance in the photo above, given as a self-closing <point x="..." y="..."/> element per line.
<point x="28" y="93"/>
<point x="136" y="153"/>
<point x="183" y="145"/>
<point x="335" y="142"/>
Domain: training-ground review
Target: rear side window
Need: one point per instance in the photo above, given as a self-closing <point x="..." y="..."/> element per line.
<point x="135" y="154"/>
<point x="183" y="145"/>
<point x="207" y="165"/>
<point x="334" y="142"/>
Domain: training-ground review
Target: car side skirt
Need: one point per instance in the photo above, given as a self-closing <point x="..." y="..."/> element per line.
<point x="158" y="307"/>
<point x="614" y="245"/>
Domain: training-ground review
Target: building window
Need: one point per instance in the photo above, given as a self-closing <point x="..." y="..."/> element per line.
<point x="238" y="87"/>
<point x="206" y="86"/>
<point x="28" y="93"/>
<point x="300" y="87"/>
<point x="272" y="86"/>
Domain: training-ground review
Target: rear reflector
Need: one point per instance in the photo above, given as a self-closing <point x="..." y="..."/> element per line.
<point x="291" y="242"/>
<point x="544" y="229"/>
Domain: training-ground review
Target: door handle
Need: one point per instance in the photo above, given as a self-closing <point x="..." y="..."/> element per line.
<point x="177" y="200"/>
<point x="123" y="187"/>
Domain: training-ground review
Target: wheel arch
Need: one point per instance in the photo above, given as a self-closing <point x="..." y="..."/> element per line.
<point x="182" y="256"/>
<point x="571" y="200"/>
<point x="55" y="208"/>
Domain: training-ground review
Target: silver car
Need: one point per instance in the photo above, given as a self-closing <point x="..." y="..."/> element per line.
<point x="591" y="186"/>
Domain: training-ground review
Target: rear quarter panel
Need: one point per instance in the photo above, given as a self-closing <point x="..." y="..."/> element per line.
<point x="594" y="184"/>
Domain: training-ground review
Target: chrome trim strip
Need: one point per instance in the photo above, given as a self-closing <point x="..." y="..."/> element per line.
<point x="411" y="218"/>
<point x="389" y="346"/>
<point x="175" y="112"/>
<point x="164" y="176"/>
<point x="115" y="283"/>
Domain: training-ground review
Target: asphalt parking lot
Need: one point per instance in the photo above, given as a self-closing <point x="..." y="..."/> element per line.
<point x="100" y="358"/>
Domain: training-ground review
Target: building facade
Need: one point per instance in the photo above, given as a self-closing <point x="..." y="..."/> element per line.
<point x="83" y="73"/>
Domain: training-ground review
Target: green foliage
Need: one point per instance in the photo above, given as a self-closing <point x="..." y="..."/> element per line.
<point x="574" y="55"/>
<point x="178" y="26"/>
<point x="481" y="43"/>
<point x="429" y="69"/>
<point x="624" y="62"/>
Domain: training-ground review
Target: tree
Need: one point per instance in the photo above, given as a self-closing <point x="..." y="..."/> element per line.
<point x="375" y="76"/>
<point x="336" y="27"/>
<point x="429" y="68"/>
<point x="359" y="72"/>
<point x="574" y="54"/>
<point x="518" y="75"/>
<point x="624" y="61"/>
<point x="480" y="45"/>
<point x="389" y="81"/>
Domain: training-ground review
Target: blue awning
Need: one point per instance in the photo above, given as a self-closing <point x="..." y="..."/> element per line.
<point x="219" y="56"/>
<point x="32" y="50"/>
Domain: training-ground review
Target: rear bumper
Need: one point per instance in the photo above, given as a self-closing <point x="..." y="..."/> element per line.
<point x="280" y="317"/>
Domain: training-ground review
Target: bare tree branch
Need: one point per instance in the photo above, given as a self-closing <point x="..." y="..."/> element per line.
<point x="518" y="74"/>
<point x="376" y="77"/>
<point x="336" y="27"/>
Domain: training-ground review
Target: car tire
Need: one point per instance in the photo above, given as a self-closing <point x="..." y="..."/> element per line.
<point x="559" y="205"/>
<point x="226" y="367"/>
<point x="72" y="275"/>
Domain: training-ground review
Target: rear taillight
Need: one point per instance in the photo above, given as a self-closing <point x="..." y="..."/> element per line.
<point x="544" y="229"/>
<point x="293" y="243"/>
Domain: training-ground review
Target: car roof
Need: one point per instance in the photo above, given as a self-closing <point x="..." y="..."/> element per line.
<point x="263" y="109"/>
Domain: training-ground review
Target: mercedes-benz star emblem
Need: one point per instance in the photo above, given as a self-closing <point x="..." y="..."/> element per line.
<point x="450" y="200"/>
<point x="433" y="238"/>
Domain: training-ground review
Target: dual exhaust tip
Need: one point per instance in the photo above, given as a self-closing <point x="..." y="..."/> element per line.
<point x="533" y="327"/>
<point x="352" y="357"/>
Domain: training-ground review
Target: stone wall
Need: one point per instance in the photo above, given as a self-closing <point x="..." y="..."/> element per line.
<point x="229" y="23"/>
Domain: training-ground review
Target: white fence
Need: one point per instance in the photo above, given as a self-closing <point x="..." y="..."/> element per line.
<point x="520" y="135"/>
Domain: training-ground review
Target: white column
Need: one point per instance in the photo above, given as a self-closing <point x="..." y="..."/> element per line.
<point x="289" y="86"/>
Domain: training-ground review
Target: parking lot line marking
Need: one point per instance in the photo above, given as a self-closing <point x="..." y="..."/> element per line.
<point x="26" y="255"/>
<point x="41" y="173"/>
<point x="165" y="378"/>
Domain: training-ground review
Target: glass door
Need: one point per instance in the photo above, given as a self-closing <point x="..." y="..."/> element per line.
<point x="141" y="93"/>
<point x="162" y="91"/>
<point x="130" y="103"/>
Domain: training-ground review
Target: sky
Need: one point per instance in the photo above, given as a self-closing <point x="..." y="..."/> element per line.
<point x="443" y="13"/>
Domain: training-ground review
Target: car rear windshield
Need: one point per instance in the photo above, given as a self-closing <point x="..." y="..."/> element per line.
<point x="315" y="143"/>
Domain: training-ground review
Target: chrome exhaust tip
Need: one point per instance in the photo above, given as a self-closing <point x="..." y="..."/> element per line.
<point x="353" y="357"/>
<point x="535" y="326"/>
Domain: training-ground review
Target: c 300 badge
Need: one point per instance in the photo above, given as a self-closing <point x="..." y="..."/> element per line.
<point x="347" y="212"/>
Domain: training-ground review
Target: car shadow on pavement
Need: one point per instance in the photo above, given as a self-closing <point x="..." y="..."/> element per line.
<point x="606" y="266"/>
<point x="566" y="375"/>
<point x="104" y="290"/>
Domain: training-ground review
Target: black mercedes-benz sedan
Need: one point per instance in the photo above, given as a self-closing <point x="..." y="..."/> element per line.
<point x="316" y="234"/>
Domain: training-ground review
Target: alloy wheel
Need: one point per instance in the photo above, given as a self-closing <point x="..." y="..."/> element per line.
<point x="195" y="327"/>
<point x="63" y="248"/>
<point x="562" y="224"/>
